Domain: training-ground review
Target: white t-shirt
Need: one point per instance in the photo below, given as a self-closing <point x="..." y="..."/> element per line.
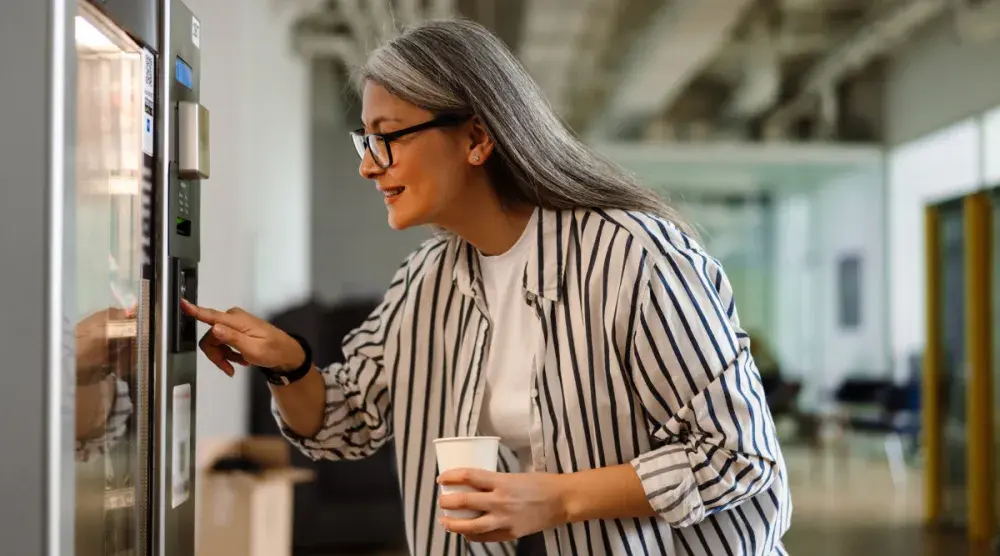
<point x="516" y="333"/>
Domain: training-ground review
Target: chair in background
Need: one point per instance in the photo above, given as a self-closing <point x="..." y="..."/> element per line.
<point x="884" y="408"/>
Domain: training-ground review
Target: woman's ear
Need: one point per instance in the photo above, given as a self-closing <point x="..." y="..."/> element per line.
<point x="480" y="145"/>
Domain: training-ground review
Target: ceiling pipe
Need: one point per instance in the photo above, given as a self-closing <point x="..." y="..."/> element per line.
<point x="761" y="84"/>
<point x="874" y="38"/>
<point x="682" y="38"/>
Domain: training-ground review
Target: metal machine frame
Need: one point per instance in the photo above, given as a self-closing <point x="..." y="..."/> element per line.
<point x="38" y="125"/>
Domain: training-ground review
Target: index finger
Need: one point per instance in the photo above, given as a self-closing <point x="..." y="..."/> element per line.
<point x="478" y="479"/>
<point x="208" y="316"/>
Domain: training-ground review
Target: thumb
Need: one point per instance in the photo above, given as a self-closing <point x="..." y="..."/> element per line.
<point x="224" y="333"/>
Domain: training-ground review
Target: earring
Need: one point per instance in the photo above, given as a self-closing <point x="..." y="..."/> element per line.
<point x="475" y="159"/>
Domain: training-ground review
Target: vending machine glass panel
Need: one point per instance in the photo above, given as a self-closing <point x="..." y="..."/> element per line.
<point x="112" y="323"/>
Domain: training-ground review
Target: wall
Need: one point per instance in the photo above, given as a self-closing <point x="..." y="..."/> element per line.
<point x="938" y="79"/>
<point x="255" y="207"/>
<point x="991" y="150"/>
<point x="814" y="230"/>
<point x="851" y="222"/>
<point x="937" y="88"/>
<point x="937" y="167"/>
<point x="354" y="251"/>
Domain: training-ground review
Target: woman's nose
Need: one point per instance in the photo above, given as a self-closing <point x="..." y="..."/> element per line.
<point x="369" y="169"/>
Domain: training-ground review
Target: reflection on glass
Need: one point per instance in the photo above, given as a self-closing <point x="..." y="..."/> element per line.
<point x="953" y="371"/>
<point x="109" y="163"/>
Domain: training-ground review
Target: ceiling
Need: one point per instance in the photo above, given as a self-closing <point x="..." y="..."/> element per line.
<point x="670" y="70"/>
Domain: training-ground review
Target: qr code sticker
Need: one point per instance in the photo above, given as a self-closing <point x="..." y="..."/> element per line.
<point x="149" y="71"/>
<point x="149" y="75"/>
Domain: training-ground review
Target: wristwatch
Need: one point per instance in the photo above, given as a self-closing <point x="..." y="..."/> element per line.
<point x="280" y="378"/>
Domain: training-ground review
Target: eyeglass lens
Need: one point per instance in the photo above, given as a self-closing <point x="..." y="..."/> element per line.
<point x="378" y="147"/>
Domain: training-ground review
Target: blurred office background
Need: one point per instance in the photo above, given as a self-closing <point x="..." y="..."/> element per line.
<point x="805" y="138"/>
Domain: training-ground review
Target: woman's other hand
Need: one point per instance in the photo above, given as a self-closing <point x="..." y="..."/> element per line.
<point x="514" y="505"/>
<point x="92" y="349"/>
<point x="238" y="337"/>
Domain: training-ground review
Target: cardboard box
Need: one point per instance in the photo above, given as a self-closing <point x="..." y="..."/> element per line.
<point x="244" y="513"/>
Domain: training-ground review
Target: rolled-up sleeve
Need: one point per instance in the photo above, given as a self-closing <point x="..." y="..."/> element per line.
<point x="115" y="426"/>
<point x="357" y="417"/>
<point x="701" y="392"/>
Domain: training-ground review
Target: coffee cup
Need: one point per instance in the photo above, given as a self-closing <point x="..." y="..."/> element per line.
<point x="465" y="452"/>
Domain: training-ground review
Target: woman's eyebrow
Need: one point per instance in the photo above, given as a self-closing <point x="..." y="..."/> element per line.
<point x="377" y="122"/>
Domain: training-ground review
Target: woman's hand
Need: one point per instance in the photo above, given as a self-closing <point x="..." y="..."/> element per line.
<point x="238" y="337"/>
<point x="513" y="504"/>
<point x="92" y="342"/>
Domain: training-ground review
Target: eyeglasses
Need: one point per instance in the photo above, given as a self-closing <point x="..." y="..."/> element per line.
<point x="378" y="143"/>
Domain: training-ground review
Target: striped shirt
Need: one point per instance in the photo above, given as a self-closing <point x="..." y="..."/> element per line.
<point x="115" y="426"/>
<point x="644" y="363"/>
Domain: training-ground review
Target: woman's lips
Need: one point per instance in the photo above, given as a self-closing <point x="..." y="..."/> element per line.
<point x="392" y="194"/>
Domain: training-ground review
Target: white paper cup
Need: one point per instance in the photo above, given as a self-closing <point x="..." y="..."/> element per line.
<point x="465" y="452"/>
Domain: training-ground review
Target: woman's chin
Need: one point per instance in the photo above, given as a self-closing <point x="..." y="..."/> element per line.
<point x="400" y="219"/>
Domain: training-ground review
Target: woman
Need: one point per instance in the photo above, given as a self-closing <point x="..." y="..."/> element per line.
<point x="562" y="308"/>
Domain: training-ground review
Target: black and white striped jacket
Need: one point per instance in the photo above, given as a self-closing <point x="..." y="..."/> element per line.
<point x="645" y="362"/>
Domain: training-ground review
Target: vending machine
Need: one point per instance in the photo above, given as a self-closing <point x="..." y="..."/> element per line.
<point x="103" y="152"/>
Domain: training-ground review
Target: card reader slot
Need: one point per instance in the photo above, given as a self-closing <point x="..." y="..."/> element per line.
<point x="185" y="286"/>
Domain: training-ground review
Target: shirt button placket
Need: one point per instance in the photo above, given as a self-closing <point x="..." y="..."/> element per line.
<point x="535" y="433"/>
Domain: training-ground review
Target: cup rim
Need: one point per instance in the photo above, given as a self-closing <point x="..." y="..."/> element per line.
<point x="464" y="438"/>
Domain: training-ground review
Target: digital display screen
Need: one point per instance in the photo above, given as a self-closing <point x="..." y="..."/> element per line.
<point x="183" y="227"/>
<point x="183" y="73"/>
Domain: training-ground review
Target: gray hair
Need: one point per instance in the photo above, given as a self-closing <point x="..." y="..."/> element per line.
<point x="458" y="66"/>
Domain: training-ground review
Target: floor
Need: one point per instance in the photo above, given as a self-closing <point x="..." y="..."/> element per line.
<point x="848" y="505"/>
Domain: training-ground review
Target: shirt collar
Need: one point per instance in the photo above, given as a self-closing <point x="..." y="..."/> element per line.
<point x="543" y="274"/>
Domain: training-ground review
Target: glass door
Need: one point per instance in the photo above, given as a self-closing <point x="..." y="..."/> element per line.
<point x="112" y="341"/>
<point x="953" y="365"/>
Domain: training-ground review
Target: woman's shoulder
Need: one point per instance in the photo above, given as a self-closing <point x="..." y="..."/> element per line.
<point x="665" y="252"/>
<point x="657" y="237"/>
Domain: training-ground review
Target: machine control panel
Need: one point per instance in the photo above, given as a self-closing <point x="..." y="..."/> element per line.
<point x="184" y="211"/>
<point x="187" y="166"/>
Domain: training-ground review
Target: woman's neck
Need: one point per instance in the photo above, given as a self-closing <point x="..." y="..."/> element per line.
<point x="486" y="224"/>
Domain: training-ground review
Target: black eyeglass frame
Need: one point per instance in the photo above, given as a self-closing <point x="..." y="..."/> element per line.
<point x="443" y="120"/>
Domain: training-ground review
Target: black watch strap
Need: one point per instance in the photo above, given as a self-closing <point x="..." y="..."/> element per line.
<point x="285" y="378"/>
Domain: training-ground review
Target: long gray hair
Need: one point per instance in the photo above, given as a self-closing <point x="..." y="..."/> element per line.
<point x="458" y="66"/>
